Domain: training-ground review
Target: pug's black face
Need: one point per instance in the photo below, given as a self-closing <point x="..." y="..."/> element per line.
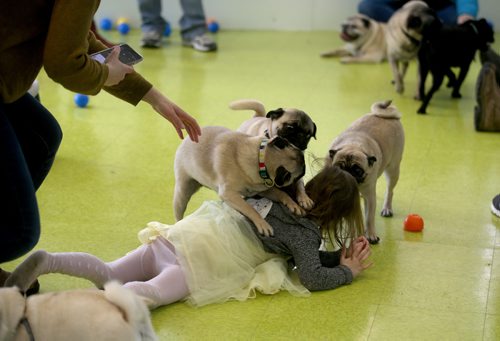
<point x="297" y="135"/>
<point x="294" y="125"/>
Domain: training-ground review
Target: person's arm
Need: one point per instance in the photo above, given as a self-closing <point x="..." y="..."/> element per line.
<point x="312" y="273"/>
<point x="330" y="259"/>
<point x="466" y="10"/>
<point x="173" y="113"/>
<point x="66" y="58"/>
<point x="315" y="269"/>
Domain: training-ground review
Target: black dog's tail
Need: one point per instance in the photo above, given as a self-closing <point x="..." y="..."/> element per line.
<point x="249" y="104"/>
<point x="385" y="110"/>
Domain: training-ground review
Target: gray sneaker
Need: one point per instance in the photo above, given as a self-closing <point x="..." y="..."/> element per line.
<point x="495" y="206"/>
<point x="203" y="43"/>
<point x="151" y="39"/>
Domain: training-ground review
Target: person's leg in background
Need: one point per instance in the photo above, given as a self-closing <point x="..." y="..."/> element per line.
<point x="194" y="26"/>
<point x="380" y="10"/>
<point x="448" y="14"/>
<point x="29" y="139"/>
<point x="153" y="24"/>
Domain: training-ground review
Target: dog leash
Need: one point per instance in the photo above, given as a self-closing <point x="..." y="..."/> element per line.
<point x="262" y="165"/>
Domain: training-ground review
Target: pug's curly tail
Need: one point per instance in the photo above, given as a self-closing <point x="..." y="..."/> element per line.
<point x="385" y="110"/>
<point x="249" y="104"/>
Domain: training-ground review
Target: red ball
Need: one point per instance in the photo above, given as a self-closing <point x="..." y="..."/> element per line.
<point x="414" y="223"/>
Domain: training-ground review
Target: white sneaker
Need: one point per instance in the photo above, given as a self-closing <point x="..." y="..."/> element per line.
<point x="203" y="43"/>
<point x="151" y="39"/>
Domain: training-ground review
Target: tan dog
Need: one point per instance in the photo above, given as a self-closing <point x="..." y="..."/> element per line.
<point x="404" y="33"/>
<point x="365" y="41"/>
<point x="237" y="165"/>
<point x="372" y="145"/>
<point x="292" y="124"/>
<point x="113" y="314"/>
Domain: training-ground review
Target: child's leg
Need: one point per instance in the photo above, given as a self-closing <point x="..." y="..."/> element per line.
<point x="168" y="283"/>
<point x="168" y="287"/>
<point x="70" y="263"/>
<point x="82" y="265"/>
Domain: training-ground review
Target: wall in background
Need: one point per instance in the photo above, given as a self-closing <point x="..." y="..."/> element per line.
<point x="290" y="15"/>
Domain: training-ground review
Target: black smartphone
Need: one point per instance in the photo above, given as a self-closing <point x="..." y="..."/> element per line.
<point x="127" y="55"/>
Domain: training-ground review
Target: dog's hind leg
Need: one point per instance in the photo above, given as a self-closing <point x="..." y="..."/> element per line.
<point x="461" y="77"/>
<point x="184" y="190"/>
<point x="391" y="177"/>
<point x="436" y="84"/>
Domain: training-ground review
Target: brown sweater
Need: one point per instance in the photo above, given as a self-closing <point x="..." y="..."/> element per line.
<point x="54" y="34"/>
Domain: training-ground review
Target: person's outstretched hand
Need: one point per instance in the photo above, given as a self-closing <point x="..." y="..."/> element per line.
<point x="172" y="112"/>
<point x="116" y="69"/>
<point x="357" y="254"/>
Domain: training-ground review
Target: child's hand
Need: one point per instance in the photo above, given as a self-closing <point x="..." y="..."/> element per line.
<point x="355" y="257"/>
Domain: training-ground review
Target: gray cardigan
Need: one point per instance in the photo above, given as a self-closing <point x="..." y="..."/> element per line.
<point x="300" y="239"/>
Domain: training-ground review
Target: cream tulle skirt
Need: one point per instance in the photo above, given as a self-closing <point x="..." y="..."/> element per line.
<point x="222" y="258"/>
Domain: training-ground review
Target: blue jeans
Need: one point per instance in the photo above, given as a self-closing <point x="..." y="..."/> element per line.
<point x="29" y="139"/>
<point x="382" y="10"/>
<point x="192" y="22"/>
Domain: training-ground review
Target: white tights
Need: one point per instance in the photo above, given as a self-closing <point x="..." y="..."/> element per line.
<point x="151" y="270"/>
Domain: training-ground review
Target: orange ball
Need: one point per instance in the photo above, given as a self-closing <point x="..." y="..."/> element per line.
<point x="414" y="223"/>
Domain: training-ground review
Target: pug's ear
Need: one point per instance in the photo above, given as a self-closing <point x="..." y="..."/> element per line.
<point x="314" y="131"/>
<point x="332" y="153"/>
<point x="371" y="160"/>
<point x="366" y="22"/>
<point x="279" y="142"/>
<point x="275" y="114"/>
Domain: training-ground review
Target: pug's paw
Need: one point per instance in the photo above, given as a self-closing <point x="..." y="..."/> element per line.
<point x="386" y="212"/>
<point x="264" y="228"/>
<point x="295" y="209"/>
<point x="305" y="201"/>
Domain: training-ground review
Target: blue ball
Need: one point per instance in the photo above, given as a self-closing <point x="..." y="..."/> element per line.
<point x="81" y="100"/>
<point x="168" y="30"/>
<point x="213" y="26"/>
<point x="124" y="28"/>
<point x="106" y="24"/>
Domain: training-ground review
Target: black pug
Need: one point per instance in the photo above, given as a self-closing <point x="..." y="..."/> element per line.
<point x="451" y="46"/>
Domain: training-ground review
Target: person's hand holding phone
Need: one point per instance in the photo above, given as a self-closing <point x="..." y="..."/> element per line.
<point x="117" y="70"/>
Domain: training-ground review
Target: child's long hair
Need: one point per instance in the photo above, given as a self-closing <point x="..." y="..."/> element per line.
<point x="337" y="207"/>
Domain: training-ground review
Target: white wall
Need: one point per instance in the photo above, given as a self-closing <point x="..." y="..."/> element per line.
<point x="299" y="15"/>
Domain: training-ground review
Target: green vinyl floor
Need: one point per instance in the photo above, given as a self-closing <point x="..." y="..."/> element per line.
<point x="113" y="174"/>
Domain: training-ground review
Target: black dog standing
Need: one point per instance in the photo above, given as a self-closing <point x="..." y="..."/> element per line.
<point x="451" y="46"/>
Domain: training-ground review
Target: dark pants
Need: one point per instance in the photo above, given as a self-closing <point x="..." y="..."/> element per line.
<point x="382" y="10"/>
<point x="29" y="139"/>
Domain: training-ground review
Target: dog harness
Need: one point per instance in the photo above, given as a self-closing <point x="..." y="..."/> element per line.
<point x="262" y="165"/>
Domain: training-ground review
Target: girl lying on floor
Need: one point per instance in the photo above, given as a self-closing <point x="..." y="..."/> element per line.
<point x="216" y="254"/>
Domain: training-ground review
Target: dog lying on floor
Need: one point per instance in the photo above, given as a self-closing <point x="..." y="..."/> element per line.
<point x="88" y="314"/>
<point x="365" y="41"/>
<point x="451" y="46"/>
<point x="370" y="146"/>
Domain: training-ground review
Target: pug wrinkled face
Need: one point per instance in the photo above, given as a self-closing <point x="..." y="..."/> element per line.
<point x="356" y="163"/>
<point x="294" y="125"/>
<point x="295" y="133"/>
<point x="354" y="27"/>
<point x="285" y="163"/>
<point x="423" y="21"/>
